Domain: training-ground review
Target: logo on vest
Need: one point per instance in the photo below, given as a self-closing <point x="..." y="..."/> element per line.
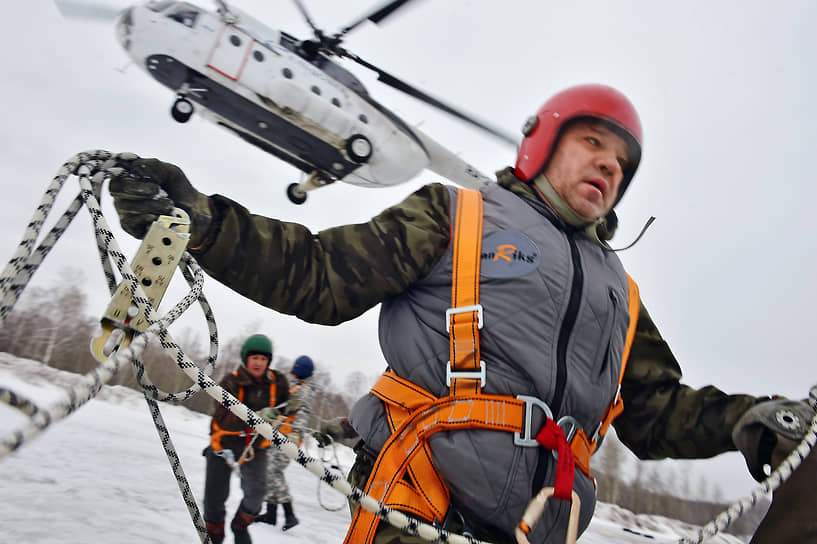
<point x="508" y="254"/>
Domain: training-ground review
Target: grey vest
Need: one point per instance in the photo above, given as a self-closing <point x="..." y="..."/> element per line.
<point x="555" y="322"/>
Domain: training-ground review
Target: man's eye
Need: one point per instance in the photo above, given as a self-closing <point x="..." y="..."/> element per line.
<point x="593" y="141"/>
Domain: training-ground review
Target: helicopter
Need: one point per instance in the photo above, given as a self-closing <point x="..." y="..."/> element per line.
<point x="288" y="97"/>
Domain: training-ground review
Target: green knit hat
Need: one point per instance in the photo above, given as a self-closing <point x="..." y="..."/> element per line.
<point x="257" y="344"/>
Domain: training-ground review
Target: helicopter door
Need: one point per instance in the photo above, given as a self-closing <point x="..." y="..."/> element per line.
<point x="230" y="53"/>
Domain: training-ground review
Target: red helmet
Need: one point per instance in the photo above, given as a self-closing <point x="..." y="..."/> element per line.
<point x="592" y="100"/>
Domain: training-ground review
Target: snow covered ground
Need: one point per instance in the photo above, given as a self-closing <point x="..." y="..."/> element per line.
<point x="101" y="475"/>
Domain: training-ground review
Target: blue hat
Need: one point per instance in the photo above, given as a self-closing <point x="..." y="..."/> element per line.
<point x="303" y="367"/>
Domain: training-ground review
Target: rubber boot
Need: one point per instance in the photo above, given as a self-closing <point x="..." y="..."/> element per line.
<point x="290" y="520"/>
<point x="270" y="516"/>
<point x="239" y="525"/>
<point x="216" y="532"/>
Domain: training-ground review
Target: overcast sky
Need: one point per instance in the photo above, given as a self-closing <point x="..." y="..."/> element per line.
<point x="726" y="91"/>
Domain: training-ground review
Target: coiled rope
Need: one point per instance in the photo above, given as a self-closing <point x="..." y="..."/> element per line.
<point x="91" y="169"/>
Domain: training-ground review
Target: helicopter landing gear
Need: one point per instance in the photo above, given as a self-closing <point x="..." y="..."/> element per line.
<point x="181" y="110"/>
<point x="359" y="148"/>
<point x="296" y="192"/>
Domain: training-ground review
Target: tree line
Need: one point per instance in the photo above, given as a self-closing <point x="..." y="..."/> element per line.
<point x="51" y="325"/>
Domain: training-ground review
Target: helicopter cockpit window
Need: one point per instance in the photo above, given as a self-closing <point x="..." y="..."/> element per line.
<point x="184" y="14"/>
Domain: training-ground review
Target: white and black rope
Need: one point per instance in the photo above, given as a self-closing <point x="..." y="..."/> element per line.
<point x="92" y="168"/>
<point x="769" y="485"/>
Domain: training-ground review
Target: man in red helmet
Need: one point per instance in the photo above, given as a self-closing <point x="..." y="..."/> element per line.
<point x="513" y="335"/>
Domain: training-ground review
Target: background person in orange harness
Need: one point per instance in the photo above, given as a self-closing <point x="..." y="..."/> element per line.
<point x="546" y="343"/>
<point x="233" y="446"/>
<point x="293" y="423"/>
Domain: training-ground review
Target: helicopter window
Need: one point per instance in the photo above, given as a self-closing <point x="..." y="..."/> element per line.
<point x="336" y="102"/>
<point x="287" y="73"/>
<point x="363" y="119"/>
<point x="184" y="14"/>
<point x="258" y="55"/>
<point x="316" y="90"/>
<point x="235" y="40"/>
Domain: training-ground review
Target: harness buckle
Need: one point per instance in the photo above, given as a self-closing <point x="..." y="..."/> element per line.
<point x="569" y="425"/>
<point x="461" y="310"/>
<point x="528" y="438"/>
<point x="456" y="374"/>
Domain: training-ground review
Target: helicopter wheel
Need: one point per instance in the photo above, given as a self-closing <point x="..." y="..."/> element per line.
<point x="359" y="148"/>
<point x="181" y="110"/>
<point x="295" y="194"/>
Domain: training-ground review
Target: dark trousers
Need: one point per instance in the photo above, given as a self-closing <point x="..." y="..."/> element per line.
<point x="217" y="485"/>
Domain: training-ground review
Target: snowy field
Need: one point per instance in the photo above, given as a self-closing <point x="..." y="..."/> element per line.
<point x="101" y="475"/>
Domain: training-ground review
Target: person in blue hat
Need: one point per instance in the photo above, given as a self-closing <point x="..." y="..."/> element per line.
<point x="294" y="422"/>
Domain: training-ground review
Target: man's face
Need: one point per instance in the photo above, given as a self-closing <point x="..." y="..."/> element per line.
<point x="586" y="168"/>
<point x="257" y="364"/>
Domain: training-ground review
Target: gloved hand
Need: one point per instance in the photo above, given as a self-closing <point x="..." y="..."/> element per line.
<point x="769" y="431"/>
<point x="270" y="414"/>
<point x="150" y="188"/>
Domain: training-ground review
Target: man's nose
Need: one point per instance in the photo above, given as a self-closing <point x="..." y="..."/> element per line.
<point x="608" y="164"/>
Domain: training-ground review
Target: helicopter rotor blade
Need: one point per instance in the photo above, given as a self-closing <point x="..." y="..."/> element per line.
<point x="375" y="16"/>
<point x="76" y="9"/>
<point x="410" y="90"/>
<point x="306" y="16"/>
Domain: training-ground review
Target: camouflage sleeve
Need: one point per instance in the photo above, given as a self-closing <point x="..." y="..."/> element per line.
<point x="302" y="407"/>
<point x="663" y="417"/>
<point x="332" y="276"/>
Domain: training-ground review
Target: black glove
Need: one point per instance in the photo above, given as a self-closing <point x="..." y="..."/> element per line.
<point x="138" y="198"/>
<point x="769" y="431"/>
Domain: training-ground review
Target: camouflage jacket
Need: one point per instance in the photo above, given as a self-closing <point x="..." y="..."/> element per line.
<point x="341" y="272"/>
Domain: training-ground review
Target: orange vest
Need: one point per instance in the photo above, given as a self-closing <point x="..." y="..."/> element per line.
<point x="217" y="433"/>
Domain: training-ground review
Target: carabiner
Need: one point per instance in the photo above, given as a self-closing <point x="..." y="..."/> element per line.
<point x="536" y="507"/>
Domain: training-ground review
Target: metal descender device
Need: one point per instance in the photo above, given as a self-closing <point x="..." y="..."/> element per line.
<point x="153" y="265"/>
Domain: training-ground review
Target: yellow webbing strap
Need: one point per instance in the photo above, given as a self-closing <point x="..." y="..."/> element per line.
<point x="387" y="482"/>
<point x="464" y="319"/>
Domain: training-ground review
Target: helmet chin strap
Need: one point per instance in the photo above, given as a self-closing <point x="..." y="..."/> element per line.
<point x="595" y="230"/>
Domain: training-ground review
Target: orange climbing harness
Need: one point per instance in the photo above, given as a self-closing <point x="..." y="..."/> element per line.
<point x="404" y="476"/>
<point x="217" y="434"/>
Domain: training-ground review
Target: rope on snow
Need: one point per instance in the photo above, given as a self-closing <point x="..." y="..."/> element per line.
<point x="92" y="168"/>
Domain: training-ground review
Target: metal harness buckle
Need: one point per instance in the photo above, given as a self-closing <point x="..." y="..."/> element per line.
<point x="461" y="310"/>
<point x="528" y="439"/>
<point x="474" y="374"/>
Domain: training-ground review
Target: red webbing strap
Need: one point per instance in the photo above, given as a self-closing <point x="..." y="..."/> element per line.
<point x="493" y="412"/>
<point x="464" y="331"/>
<point x="552" y="437"/>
